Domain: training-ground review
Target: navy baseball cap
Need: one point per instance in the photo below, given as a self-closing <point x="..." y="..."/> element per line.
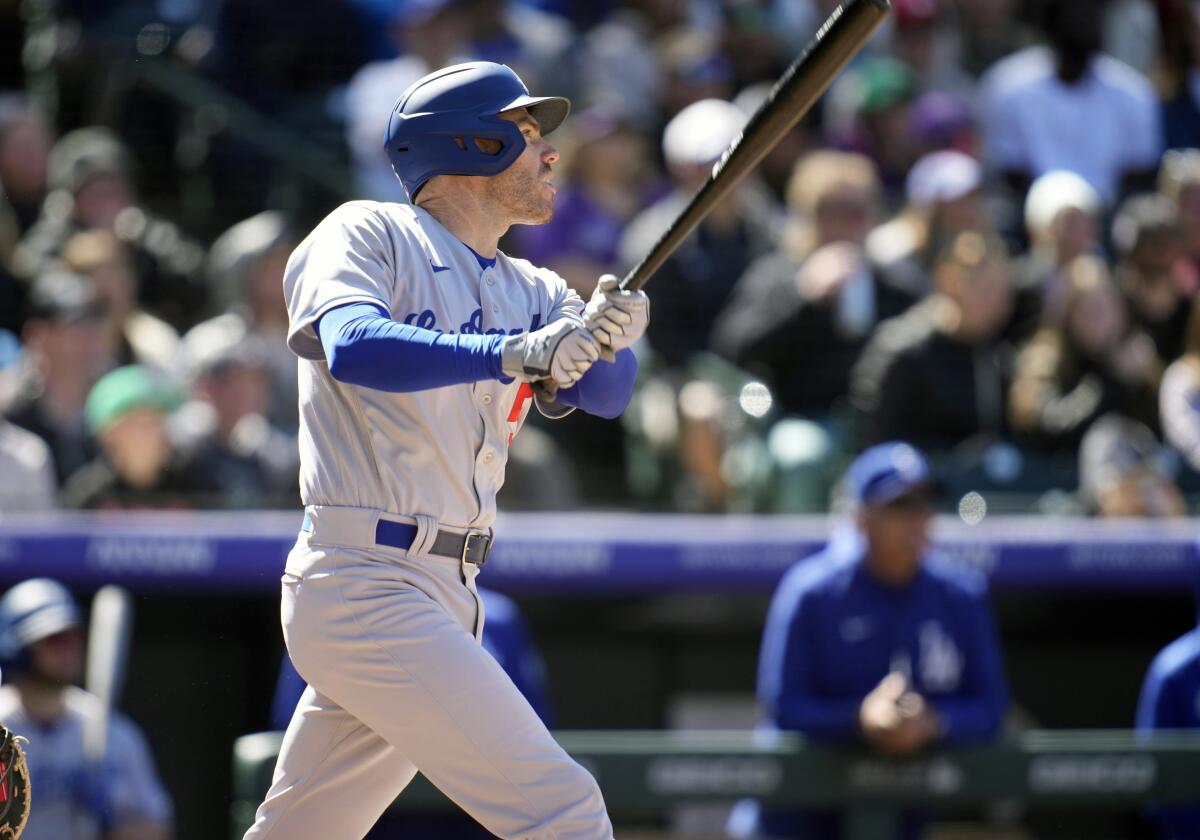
<point x="886" y="472"/>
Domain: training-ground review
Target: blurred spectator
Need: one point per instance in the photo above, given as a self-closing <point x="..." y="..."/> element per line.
<point x="938" y="375"/>
<point x="1091" y="362"/>
<point x="1130" y="33"/>
<point x="1067" y="106"/>
<point x="1169" y="701"/>
<point x="940" y="121"/>
<point x="1121" y="472"/>
<point x="28" y="469"/>
<point x="869" y="111"/>
<point x="81" y="795"/>
<point x="1152" y="272"/>
<point x="617" y="63"/>
<point x="1062" y="218"/>
<point x="251" y="463"/>
<point x="695" y="283"/>
<point x="134" y="336"/>
<point x="12" y="289"/>
<point x="284" y="58"/>
<point x="520" y="35"/>
<point x="25" y="142"/>
<point x="426" y="34"/>
<point x="506" y="636"/>
<point x="944" y="192"/>
<point x="695" y="442"/>
<point x="922" y="40"/>
<point x="1179" y="72"/>
<point x="874" y="639"/>
<point x="65" y="354"/>
<point x="800" y="316"/>
<point x="693" y="69"/>
<point x="138" y="467"/>
<point x="245" y="272"/>
<point x="91" y="186"/>
<point x="1179" y="183"/>
<point x="606" y="180"/>
<point x="989" y="30"/>
<point x="751" y="41"/>
<point x="1179" y="397"/>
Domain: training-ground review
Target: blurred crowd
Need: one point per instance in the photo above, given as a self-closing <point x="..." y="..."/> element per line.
<point x="985" y="240"/>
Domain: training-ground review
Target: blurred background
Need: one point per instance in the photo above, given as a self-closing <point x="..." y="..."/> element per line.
<point x="984" y="241"/>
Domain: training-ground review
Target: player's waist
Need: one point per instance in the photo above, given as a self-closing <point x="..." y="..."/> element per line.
<point x="367" y="528"/>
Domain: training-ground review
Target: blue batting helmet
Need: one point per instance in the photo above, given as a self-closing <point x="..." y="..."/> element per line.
<point x="29" y="612"/>
<point x="433" y="125"/>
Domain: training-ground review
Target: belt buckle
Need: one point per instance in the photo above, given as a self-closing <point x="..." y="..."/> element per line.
<point x="487" y="547"/>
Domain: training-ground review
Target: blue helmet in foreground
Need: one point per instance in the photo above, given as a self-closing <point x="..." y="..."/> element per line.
<point x="30" y="612"/>
<point x="434" y="124"/>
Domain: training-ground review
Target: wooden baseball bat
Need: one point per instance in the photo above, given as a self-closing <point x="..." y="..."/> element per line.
<point x="800" y="86"/>
<point x="109" y="633"/>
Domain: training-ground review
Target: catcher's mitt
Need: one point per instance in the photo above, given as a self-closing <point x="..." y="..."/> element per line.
<point x="14" y="785"/>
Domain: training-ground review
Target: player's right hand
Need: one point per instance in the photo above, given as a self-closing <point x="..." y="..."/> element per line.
<point x="561" y="352"/>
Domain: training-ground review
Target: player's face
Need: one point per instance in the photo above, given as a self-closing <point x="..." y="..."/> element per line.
<point x="58" y="659"/>
<point x="525" y="191"/>
<point x="896" y="535"/>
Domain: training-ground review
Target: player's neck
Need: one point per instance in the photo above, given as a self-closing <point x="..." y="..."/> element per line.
<point x="42" y="701"/>
<point x="468" y="217"/>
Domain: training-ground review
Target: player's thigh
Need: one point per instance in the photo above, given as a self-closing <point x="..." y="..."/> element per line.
<point x="401" y="664"/>
<point x="334" y="776"/>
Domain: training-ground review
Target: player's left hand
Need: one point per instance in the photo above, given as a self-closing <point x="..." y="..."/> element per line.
<point x="616" y="318"/>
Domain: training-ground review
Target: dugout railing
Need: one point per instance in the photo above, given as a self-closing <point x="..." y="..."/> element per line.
<point x="645" y="774"/>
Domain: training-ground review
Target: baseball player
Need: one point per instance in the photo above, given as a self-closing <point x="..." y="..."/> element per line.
<point x="422" y="348"/>
<point x="75" y="796"/>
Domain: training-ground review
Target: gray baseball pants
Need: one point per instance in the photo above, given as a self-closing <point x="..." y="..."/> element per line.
<point x="388" y="642"/>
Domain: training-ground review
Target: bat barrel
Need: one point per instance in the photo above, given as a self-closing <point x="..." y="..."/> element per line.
<point x="801" y="85"/>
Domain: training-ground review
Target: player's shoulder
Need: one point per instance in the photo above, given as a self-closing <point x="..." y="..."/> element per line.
<point x="819" y="575"/>
<point x="1018" y="72"/>
<point x="1122" y="79"/>
<point x="82" y="704"/>
<point x="955" y="579"/>
<point x="365" y="211"/>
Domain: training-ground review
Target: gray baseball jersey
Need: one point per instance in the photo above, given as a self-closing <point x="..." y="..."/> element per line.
<point x="439" y="452"/>
<point x="71" y="797"/>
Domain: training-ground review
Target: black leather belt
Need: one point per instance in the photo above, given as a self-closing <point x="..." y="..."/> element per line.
<point x="472" y="547"/>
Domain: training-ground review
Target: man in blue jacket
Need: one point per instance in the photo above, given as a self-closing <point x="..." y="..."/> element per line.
<point x="873" y="640"/>
<point x="1170" y="699"/>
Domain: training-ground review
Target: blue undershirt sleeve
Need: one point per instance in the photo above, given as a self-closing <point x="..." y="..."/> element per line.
<point x="363" y="346"/>
<point x="605" y="389"/>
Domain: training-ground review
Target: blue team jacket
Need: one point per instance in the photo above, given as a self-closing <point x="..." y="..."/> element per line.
<point x="833" y="632"/>
<point x="1170" y="699"/>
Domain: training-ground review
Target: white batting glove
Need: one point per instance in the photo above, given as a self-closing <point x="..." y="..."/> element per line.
<point x="616" y="318"/>
<point x="561" y="352"/>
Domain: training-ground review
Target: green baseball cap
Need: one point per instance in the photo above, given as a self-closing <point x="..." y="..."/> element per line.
<point x="124" y="390"/>
<point x="884" y="82"/>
